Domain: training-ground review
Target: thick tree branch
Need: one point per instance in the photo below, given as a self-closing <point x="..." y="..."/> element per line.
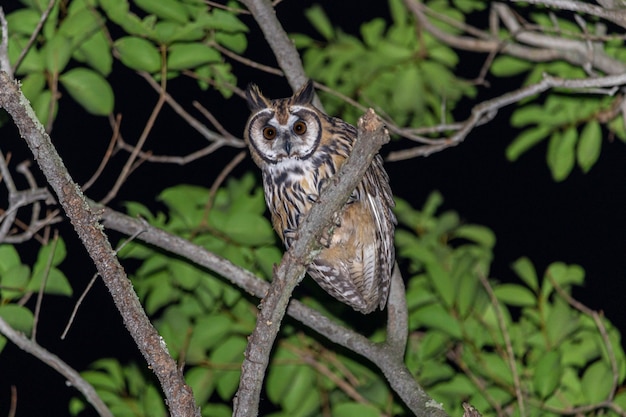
<point x="53" y="361"/>
<point x="283" y="48"/>
<point x="179" y="396"/>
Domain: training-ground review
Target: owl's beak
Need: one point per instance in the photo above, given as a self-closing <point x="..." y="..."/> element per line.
<point x="287" y="146"/>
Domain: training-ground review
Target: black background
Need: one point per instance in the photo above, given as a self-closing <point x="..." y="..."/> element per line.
<point x="581" y="220"/>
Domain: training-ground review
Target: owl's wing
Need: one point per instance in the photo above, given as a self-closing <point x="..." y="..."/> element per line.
<point x="356" y="268"/>
<point x="380" y="199"/>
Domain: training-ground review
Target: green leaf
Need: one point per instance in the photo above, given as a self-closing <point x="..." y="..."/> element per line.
<point x="81" y="24"/>
<point x="478" y="234"/>
<point x="237" y="42"/>
<point x="589" y="145"/>
<point x="165" y="9"/>
<point x="201" y="380"/>
<point x="56" y="281"/>
<point x="507" y="66"/>
<point x="565" y="275"/>
<point x="320" y="21"/>
<point x="515" y="295"/>
<point x="355" y="409"/>
<point x="57" y="53"/>
<point x="23" y="21"/>
<point x="18" y="317"/>
<point x="547" y="374"/>
<point x="13" y="281"/>
<point x="561" y="153"/>
<point x="138" y="54"/>
<point x="525" y="269"/>
<point x="373" y="31"/>
<point x="248" y="229"/>
<point x="153" y="402"/>
<point x="90" y="90"/>
<point x="189" y="55"/>
<point x="597" y="382"/>
<point x="33" y="84"/>
<point x="8" y="257"/>
<point x="96" y="53"/>
<point x="436" y="317"/>
<point x="229" y="352"/>
<point x="526" y="140"/>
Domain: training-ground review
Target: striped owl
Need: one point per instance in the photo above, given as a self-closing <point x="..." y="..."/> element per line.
<point x="299" y="149"/>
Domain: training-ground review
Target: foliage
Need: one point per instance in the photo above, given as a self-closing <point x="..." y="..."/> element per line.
<point x="500" y="346"/>
<point x="18" y="282"/>
<point x="461" y="338"/>
<point x="75" y="47"/>
<point x="388" y="68"/>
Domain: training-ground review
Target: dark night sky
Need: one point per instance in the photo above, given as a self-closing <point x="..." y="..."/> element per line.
<point x="581" y="220"/>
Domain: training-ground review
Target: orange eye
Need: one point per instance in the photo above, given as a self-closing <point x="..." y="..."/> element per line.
<point x="299" y="127"/>
<point x="269" y="133"/>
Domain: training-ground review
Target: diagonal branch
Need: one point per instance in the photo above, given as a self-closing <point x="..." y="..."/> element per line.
<point x="53" y="361"/>
<point x="179" y="395"/>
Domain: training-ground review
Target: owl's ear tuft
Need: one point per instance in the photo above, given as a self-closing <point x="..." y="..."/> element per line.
<point x="255" y="98"/>
<point x="304" y="95"/>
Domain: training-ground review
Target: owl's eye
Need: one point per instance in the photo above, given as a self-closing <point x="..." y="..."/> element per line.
<point x="299" y="127"/>
<point x="269" y="133"/>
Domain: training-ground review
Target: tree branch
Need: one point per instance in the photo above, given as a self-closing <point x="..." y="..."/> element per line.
<point x="283" y="48"/>
<point x="179" y="395"/>
<point x="57" y="364"/>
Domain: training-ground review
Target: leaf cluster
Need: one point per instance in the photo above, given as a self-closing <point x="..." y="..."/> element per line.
<point x="501" y="345"/>
<point x="19" y="282"/>
<point x="406" y="76"/>
<point x="76" y="47"/>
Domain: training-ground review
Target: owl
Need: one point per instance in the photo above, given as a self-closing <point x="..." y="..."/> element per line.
<point x="299" y="149"/>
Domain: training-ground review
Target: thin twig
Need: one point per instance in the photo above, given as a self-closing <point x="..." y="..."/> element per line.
<point x="58" y="365"/>
<point x="487" y="110"/>
<point x="107" y="155"/>
<point x="42" y="286"/>
<point x="33" y="36"/>
<point x="510" y="355"/>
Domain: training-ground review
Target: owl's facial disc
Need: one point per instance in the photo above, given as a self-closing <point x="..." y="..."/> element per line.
<point x="296" y="137"/>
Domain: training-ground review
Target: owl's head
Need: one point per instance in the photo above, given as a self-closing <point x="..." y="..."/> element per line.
<point x="282" y="129"/>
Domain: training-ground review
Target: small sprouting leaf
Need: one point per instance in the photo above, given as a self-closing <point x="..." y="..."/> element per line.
<point x="547" y="374"/>
<point x="597" y="382"/>
<point x="189" y="55"/>
<point x="526" y="140"/>
<point x="561" y="153"/>
<point x="525" y="269"/>
<point x="318" y="18"/>
<point x="589" y="145"/>
<point x="515" y="295"/>
<point x="139" y="54"/>
<point x="90" y="90"/>
<point x="18" y="317"/>
<point x="165" y="9"/>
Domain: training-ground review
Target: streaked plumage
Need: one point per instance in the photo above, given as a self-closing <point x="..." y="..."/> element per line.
<point x="298" y="149"/>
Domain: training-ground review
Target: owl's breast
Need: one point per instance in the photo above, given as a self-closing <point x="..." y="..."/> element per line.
<point x="291" y="188"/>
